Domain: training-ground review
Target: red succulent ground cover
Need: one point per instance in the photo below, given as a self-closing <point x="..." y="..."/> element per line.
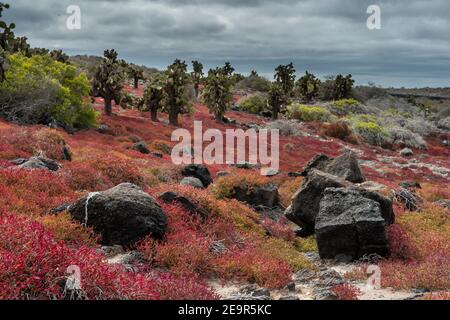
<point x="36" y="247"/>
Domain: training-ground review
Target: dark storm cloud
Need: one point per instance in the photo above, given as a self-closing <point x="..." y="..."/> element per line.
<point x="324" y="36"/>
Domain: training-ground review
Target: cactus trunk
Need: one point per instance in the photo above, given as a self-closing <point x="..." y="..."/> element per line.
<point x="108" y="107"/>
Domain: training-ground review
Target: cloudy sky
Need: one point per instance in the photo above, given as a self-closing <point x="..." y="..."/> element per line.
<point x="323" y="36"/>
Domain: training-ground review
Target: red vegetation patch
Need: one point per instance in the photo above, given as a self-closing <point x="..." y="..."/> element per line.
<point x="339" y="130"/>
<point x="346" y="292"/>
<point x="252" y="264"/>
<point x="420" y="245"/>
<point x="101" y="173"/>
<point x="32" y="192"/>
<point x="33" y="266"/>
<point x="186" y="251"/>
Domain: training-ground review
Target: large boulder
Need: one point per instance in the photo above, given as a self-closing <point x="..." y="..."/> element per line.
<point x="198" y="171"/>
<point x="350" y="225"/>
<point x="306" y="202"/>
<point x="345" y="166"/>
<point x="122" y="215"/>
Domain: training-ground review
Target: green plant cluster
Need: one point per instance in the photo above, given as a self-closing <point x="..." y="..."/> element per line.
<point x="66" y="89"/>
<point x="308" y="113"/>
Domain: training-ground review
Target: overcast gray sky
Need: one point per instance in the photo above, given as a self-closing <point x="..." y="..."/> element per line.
<point x="323" y="36"/>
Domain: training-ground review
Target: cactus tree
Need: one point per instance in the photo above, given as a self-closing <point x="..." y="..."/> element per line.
<point x="59" y="56"/>
<point x="308" y="86"/>
<point x="136" y="74"/>
<point x="153" y="95"/>
<point x="197" y="76"/>
<point x="343" y="87"/>
<point x="276" y="99"/>
<point x="217" y="93"/>
<point x="285" y="77"/>
<point x="108" y="80"/>
<point x="6" y="38"/>
<point x="176" y="100"/>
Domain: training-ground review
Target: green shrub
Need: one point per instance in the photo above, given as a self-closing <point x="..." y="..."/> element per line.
<point x="254" y="83"/>
<point x="60" y="92"/>
<point x="367" y="127"/>
<point x="308" y="113"/>
<point x="343" y="103"/>
<point x="254" y="104"/>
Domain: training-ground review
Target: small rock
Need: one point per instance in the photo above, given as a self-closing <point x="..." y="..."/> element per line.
<point x="19" y="161"/>
<point x="200" y="172"/>
<point x="291" y="287"/>
<point x="157" y="155"/>
<point x="270" y="172"/>
<point x="407" y="152"/>
<point x="67" y="154"/>
<point x="103" y="129"/>
<point x="60" y="209"/>
<point x="217" y="247"/>
<point x="141" y="147"/>
<point x="304" y="276"/>
<point x="409" y="198"/>
<point x="172" y="197"/>
<point x="40" y="163"/>
<point x="324" y="294"/>
<point x="295" y="174"/>
<point x="410" y="185"/>
<point x="128" y="260"/>
<point x="111" y="251"/>
<point x="289" y="298"/>
<point x="223" y="174"/>
<point x="444" y="203"/>
<point x="247" y="166"/>
<point x="266" y="196"/>
<point x="192" y="182"/>
<point x="255" y="291"/>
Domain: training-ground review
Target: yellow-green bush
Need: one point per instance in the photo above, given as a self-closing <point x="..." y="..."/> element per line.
<point x="285" y="251"/>
<point x="367" y="127"/>
<point x="254" y="104"/>
<point x="308" y="113"/>
<point x="345" y="103"/>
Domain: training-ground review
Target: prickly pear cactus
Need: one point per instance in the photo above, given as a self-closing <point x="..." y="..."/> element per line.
<point x="108" y="80"/>
<point x="176" y="100"/>
<point x="285" y="77"/>
<point x="217" y="93"/>
<point x="308" y="86"/>
<point x="197" y="76"/>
